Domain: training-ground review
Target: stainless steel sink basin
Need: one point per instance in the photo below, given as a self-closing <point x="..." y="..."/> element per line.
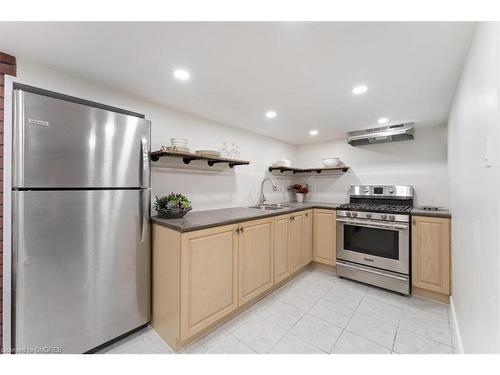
<point x="275" y="206"/>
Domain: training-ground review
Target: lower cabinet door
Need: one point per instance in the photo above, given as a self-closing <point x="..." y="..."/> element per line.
<point x="296" y="234"/>
<point x="325" y="238"/>
<point x="209" y="282"/>
<point x="431" y="254"/>
<point x="307" y="247"/>
<point x="256" y="247"/>
<point x="281" y="260"/>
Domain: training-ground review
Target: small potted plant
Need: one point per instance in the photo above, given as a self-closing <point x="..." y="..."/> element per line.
<point x="172" y="206"/>
<point x="300" y="191"/>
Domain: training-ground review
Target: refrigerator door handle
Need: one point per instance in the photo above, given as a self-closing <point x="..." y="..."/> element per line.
<point x="145" y="194"/>
<point x="145" y="178"/>
<point x="18" y="143"/>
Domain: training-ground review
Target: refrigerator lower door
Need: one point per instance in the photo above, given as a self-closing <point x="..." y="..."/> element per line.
<point x="81" y="267"/>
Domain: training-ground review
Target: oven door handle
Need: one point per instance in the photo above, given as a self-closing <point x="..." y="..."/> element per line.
<point x="373" y="225"/>
<point x="372" y="271"/>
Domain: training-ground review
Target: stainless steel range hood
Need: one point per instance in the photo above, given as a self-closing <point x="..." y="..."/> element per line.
<point x="392" y="133"/>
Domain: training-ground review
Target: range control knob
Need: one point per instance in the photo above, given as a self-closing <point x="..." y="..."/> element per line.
<point x="354" y="214"/>
<point x="392" y="217"/>
<point x="391" y="191"/>
<point x="369" y="215"/>
<point x="348" y="214"/>
<point x="383" y="217"/>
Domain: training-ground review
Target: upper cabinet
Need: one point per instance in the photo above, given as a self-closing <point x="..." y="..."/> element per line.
<point x="324" y="236"/>
<point x="431" y="254"/>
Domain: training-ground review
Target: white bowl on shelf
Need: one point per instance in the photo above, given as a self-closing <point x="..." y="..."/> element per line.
<point x="331" y="162"/>
<point x="283" y="163"/>
<point x="178" y="142"/>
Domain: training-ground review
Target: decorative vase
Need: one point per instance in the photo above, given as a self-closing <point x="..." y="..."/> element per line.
<point x="300" y="197"/>
<point x="172" y="213"/>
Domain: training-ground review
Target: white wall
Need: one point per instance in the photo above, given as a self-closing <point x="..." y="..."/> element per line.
<point x="474" y="133"/>
<point x="420" y="162"/>
<point x="206" y="189"/>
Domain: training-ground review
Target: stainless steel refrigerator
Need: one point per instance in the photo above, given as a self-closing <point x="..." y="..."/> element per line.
<point x="80" y="223"/>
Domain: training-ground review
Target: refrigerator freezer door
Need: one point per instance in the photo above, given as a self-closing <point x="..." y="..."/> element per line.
<point x="61" y="144"/>
<point x="81" y="267"/>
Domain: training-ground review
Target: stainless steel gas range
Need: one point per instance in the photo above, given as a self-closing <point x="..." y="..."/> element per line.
<point x="373" y="236"/>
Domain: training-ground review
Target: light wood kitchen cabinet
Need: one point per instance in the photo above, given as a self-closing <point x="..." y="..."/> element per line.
<point x="324" y="236"/>
<point x="209" y="277"/>
<point x="203" y="277"/>
<point x="431" y="254"/>
<point x="296" y="241"/>
<point x="307" y="248"/>
<point x="281" y="254"/>
<point x="256" y="253"/>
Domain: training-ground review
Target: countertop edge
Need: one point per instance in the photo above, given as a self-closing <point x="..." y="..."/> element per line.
<point x="443" y="214"/>
<point x="267" y="214"/>
<point x="263" y="215"/>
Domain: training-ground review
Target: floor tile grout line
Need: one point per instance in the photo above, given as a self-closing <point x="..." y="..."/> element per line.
<point x="244" y="343"/>
<point x="357" y="334"/>
<point x="424" y="337"/>
<point x="308" y="313"/>
<point x="344" y="329"/>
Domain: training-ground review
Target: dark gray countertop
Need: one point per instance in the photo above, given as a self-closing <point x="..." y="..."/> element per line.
<point x="212" y="218"/>
<point x="442" y="212"/>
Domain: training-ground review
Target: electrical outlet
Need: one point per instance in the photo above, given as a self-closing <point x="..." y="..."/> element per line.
<point x="488" y="162"/>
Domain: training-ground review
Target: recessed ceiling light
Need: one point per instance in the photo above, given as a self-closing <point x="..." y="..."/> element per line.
<point x="271" y="114"/>
<point x="182" y="75"/>
<point x="313" y="132"/>
<point x="358" y="90"/>
<point x="383" y="120"/>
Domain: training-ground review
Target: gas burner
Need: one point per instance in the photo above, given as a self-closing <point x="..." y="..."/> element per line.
<point x="376" y="207"/>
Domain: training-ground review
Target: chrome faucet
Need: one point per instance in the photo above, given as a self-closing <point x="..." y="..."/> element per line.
<point x="262" y="197"/>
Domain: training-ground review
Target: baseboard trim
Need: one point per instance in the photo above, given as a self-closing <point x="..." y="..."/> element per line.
<point x="429" y="294"/>
<point x="456" y="329"/>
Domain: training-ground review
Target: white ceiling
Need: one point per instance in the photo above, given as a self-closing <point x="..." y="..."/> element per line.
<point x="303" y="70"/>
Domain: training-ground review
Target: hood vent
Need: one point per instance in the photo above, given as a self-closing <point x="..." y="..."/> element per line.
<point x="393" y="133"/>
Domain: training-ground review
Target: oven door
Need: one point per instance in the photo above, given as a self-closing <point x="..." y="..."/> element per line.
<point x="376" y="244"/>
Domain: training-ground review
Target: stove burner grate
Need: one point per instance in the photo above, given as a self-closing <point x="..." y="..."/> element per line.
<point x="393" y="208"/>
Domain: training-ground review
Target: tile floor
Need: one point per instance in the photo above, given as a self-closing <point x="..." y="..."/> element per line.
<point x="319" y="313"/>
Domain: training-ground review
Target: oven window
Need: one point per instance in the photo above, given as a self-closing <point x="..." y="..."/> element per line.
<point x="378" y="242"/>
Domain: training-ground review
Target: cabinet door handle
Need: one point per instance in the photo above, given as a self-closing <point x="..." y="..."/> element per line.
<point x="307" y="214"/>
<point x="241" y="230"/>
<point x="414" y="222"/>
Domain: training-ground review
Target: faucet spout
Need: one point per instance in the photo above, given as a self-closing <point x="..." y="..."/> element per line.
<point x="262" y="197"/>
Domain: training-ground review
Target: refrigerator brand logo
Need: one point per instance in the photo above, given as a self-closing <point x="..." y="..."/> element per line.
<point x="38" y="122"/>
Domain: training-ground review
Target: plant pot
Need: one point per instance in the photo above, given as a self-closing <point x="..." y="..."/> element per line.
<point x="172" y="213"/>
<point x="300" y="197"/>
